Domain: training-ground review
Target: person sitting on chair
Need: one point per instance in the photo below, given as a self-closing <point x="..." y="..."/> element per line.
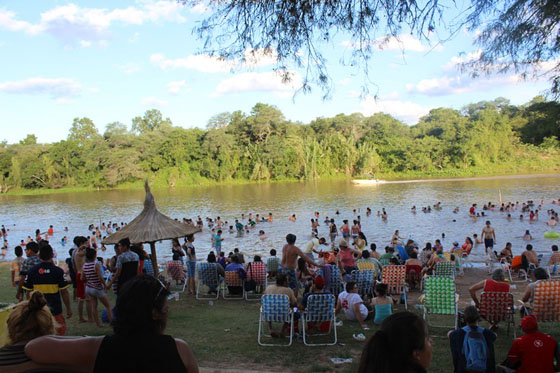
<point x="457" y="342"/>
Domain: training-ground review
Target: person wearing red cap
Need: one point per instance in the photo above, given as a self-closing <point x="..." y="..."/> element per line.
<point x="534" y="352"/>
<point x="317" y="287"/>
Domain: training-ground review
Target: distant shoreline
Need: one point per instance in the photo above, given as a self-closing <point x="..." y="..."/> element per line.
<point x="390" y="179"/>
<point x="500" y="177"/>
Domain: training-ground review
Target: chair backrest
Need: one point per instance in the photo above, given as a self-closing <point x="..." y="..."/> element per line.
<point x="496" y="306"/>
<point x="364" y="265"/>
<point x="413" y="272"/>
<point x="175" y="270"/>
<point x="232" y="278"/>
<point x="257" y="271"/>
<point x="320" y="307"/>
<point x="440" y="295"/>
<point x="208" y="274"/>
<point x="336" y="280"/>
<point x="275" y="308"/>
<point x="272" y="264"/>
<point x="395" y="278"/>
<point x="546" y="302"/>
<point x="364" y="280"/>
<point x="445" y="269"/>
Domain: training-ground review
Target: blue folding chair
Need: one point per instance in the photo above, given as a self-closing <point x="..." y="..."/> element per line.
<point x="208" y="276"/>
<point x="336" y="280"/>
<point x="275" y="308"/>
<point x="320" y="309"/>
<point x="365" y="280"/>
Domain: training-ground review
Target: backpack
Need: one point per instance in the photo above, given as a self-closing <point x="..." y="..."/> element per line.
<point x="475" y="349"/>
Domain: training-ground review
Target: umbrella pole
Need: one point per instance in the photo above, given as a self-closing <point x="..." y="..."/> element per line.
<point x="154" y="258"/>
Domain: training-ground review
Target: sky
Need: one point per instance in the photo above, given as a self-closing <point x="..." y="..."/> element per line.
<point x="113" y="60"/>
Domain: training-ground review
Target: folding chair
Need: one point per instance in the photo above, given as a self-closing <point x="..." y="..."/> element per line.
<point x="232" y="279"/>
<point x="440" y="298"/>
<point x="336" y="280"/>
<point x="413" y="275"/>
<point x="320" y="308"/>
<point x="208" y="276"/>
<point x="395" y="278"/>
<point x="365" y="281"/>
<point x="445" y="269"/>
<point x="275" y="308"/>
<point x="546" y="301"/>
<point x="256" y="271"/>
<point x="272" y="266"/>
<point x="496" y="307"/>
<point x="176" y="272"/>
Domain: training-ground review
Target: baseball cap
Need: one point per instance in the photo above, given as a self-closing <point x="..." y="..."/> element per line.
<point x="319" y="281"/>
<point x="529" y="323"/>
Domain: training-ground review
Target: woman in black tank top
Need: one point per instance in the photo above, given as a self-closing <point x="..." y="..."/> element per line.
<point x="138" y="344"/>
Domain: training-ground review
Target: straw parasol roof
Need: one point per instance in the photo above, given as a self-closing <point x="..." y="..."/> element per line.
<point x="151" y="225"/>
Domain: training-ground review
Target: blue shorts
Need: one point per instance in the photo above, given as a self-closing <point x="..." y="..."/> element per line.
<point x="291" y="274"/>
<point x="191" y="268"/>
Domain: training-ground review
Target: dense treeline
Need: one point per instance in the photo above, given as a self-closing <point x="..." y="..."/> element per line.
<point x="489" y="135"/>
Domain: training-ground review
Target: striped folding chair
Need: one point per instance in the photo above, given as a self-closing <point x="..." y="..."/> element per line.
<point x="496" y="307"/>
<point x="336" y="281"/>
<point x="365" y="281"/>
<point x="272" y="266"/>
<point x="440" y="298"/>
<point x="275" y="308"/>
<point x="395" y="278"/>
<point x="233" y="280"/>
<point x="319" y="309"/>
<point x="413" y="275"/>
<point x="445" y="269"/>
<point x="256" y="271"/>
<point x="208" y="276"/>
<point x="176" y="272"/>
<point x="546" y="302"/>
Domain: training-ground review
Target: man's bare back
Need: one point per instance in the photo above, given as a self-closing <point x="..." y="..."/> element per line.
<point x="290" y="255"/>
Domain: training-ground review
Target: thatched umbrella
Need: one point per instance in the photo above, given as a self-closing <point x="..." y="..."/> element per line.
<point x="151" y="226"/>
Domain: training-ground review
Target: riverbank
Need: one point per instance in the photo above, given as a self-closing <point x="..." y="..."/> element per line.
<point x="408" y="177"/>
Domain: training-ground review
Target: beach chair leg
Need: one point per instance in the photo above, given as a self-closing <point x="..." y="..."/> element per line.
<point x="185" y="279"/>
<point x="198" y="289"/>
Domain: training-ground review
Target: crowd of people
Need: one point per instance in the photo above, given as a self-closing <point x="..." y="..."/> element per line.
<point x="139" y="315"/>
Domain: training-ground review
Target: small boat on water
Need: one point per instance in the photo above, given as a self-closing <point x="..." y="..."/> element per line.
<point x="368" y="181"/>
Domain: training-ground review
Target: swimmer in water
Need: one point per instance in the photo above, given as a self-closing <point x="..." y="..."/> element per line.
<point x="262" y="235"/>
<point x="527" y="236"/>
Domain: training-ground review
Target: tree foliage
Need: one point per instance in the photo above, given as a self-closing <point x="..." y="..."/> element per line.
<point x="516" y="34"/>
<point x="264" y="145"/>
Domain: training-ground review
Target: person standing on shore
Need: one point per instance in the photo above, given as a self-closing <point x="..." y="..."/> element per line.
<point x="191" y="264"/>
<point x="489" y="236"/>
<point x="288" y="264"/>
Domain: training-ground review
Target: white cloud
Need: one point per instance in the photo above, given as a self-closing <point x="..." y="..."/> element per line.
<point x="129" y="68"/>
<point x="56" y="88"/>
<point x="408" y="112"/>
<point x="85" y="43"/>
<point x="175" y="87"/>
<point x="94" y="90"/>
<point x="62" y="101"/>
<point x="450" y="85"/>
<point x="200" y="62"/>
<point x="199" y="8"/>
<point x="72" y="23"/>
<point x="455" y="61"/>
<point x="213" y="64"/>
<point x="258" y="82"/>
<point x="344" y="82"/>
<point x="134" y="37"/>
<point x="403" y="42"/>
<point x="153" y="102"/>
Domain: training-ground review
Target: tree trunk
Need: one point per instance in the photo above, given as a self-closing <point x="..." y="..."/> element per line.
<point x="154" y="258"/>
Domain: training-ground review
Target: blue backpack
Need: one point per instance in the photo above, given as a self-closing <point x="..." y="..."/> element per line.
<point x="475" y="349"/>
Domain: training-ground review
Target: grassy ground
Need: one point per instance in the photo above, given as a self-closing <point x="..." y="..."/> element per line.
<point x="223" y="333"/>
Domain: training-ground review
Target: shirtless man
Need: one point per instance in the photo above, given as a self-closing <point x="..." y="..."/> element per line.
<point x="489" y="236"/>
<point x="530" y="255"/>
<point x="290" y="254"/>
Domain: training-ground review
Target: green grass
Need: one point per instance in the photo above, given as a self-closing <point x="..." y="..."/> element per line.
<point x="204" y="327"/>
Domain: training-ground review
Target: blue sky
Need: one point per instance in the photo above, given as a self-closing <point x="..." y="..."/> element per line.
<point x="112" y="61"/>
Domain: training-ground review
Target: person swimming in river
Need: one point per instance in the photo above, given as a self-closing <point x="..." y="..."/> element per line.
<point x="293" y="217"/>
<point x="527" y="236"/>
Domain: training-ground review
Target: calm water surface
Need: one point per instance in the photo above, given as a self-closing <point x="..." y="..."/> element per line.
<point x="24" y="214"/>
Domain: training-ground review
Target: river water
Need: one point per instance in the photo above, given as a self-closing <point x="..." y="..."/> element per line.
<point x="22" y="215"/>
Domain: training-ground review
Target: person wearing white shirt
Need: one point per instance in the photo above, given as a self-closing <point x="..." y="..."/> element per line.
<point x="353" y="305"/>
<point x="312" y="246"/>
